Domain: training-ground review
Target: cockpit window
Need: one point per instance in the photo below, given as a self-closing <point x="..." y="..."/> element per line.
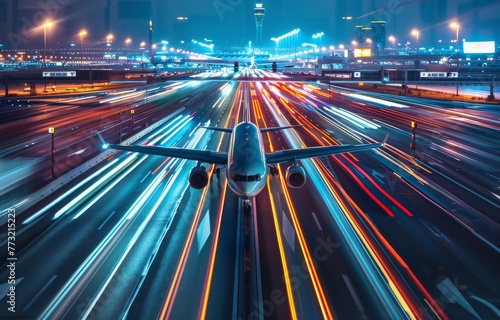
<point x="241" y="178"/>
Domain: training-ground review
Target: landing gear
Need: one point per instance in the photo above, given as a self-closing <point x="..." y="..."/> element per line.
<point x="247" y="206"/>
<point x="273" y="170"/>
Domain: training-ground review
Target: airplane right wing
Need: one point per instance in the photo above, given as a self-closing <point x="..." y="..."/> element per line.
<point x="206" y="156"/>
<point x="295" y="154"/>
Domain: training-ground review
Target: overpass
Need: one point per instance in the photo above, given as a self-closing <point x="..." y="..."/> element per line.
<point x="68" y="75"/>
<point x="447" y="76"/>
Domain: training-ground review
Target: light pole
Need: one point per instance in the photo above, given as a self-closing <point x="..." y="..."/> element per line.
<point x="142" y="47"/>
<point x="315" y="36"/>
<point x="392" y="39"/>
<point x="277" y="41"/>
<point x="52" y="131"/>
<point x="109" y="39"/>
<point x="46" y="25"/>
<point x="82" y="34"/>
<point x="416" y="33"/>
<point x="120" y="125"/>
<point x="128" y="41"/>
<point x="318" y="35"/>
<point x="457" y="26"/>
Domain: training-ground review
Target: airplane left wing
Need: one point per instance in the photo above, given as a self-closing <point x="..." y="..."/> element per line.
<point x="207" y="156"/>
<point x="296" y="154"/>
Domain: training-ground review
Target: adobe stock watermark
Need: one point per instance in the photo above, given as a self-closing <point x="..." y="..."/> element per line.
<point x="48" y="9"/>
<point x="391" y="8"/>
<point x="222" y="7"/>
<point x="11" y="259"/>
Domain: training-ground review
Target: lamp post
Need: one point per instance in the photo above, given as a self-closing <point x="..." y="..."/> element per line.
<point x="120" y="124"/>
<point x="82" y="34"/>
<point x="109" y="39"/>
<point x="46" y="25"/>
<point x="315" y="36"/>
<point x="128" y="41"/>
<point x="457" y="26"/>
<point x="416" y="33"/>
<point x="52" y="131"/>
<point x="392" y="39"/>
<point x="142" y="47"/>
<point x="318" y="35"/>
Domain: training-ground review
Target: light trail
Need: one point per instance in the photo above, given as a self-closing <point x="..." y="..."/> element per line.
<point x="181" y="265"/>
<point x="393" y="300"/>
<point x="284" y="264"/>
<point x="313" y="274"/>
<point x="109" y="187"/>
<point x="213" y="254"/>
<point x="94" y="187"/>
<point x="433" y="303"/>
<point x="69" y="192"/>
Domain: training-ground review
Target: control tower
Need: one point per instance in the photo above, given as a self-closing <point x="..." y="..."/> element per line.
<point x="151" y="48"/>
<point x="258" y="13"/>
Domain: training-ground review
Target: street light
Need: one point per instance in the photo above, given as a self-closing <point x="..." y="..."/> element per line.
<point x="109" y="39"/>
<point x="46" y="25"/>
<point x="392" y="39"/>
<point x="318" y="35"/>
<point x="128" y="41"/>
<point x="82" y="33"/>
<point x="457" y="26"/>
<point x="142" y="46"/>
<point x="277" y="41"/>
<point x="52" y="131"/>
<point x="416" y="33"/>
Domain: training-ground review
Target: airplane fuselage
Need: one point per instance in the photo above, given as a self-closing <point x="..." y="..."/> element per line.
<point x="246" y="168"/>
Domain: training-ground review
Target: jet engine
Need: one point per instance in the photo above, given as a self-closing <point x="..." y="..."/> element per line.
<point x="295" y="176"/>
<point x="198" y="178"/>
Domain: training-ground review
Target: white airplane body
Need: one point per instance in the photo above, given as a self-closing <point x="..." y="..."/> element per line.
<point x="247" y="164"/>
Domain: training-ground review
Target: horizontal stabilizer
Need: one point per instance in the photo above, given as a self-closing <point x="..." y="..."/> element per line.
<point x="217" y="128"/>
<point x="264" y="130"/>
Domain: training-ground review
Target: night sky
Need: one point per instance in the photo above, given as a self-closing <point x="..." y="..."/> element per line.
<point x="231" y="22"/>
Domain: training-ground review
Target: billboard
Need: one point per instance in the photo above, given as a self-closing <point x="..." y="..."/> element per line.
<point x="362" y="52"/>
<point x="59" y="74"/>
<point x="479" y="47"/>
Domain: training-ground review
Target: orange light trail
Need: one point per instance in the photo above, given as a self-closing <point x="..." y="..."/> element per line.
<point x="397" y="289"/>
<point x="286" y="272"/>
<point x="258" y="111"/>
<point x="160" y="166"/>
<point x="176" y="279"/>
<point x="316" y="282"/>
<point x="215" y="245"/>
<point x="434" y="305"/>
<point x="213" y="254"/>
<point x="377" y="186"/>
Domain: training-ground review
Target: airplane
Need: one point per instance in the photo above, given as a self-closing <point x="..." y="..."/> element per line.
<point x="247" y="164"/>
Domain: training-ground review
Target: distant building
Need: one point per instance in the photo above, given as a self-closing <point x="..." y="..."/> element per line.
<point x="363" y="36"/>
<point x="378" y="36"/>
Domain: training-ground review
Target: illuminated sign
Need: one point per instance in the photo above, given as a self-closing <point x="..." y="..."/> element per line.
<point x="479" y="47"/>
<point x="362" y="53"/>
<point x="339" y="75"/>
<point x="438" y="74"/>
<point x="59" y="74"/>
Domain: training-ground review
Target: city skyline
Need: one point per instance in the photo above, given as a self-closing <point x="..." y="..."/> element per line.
<point x="233" y="23"/>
